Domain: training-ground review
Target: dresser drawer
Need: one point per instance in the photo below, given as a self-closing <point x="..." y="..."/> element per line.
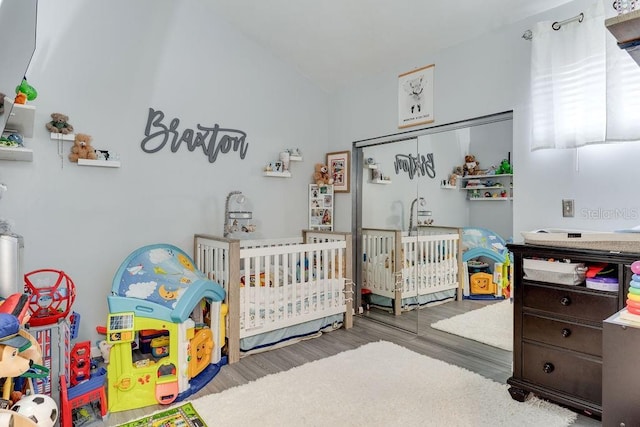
<point x="563" y="371"/>
<point x="572" y="336"/>
<point x="565" y="301"/>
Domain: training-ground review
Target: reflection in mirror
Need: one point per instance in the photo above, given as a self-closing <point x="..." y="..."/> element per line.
<point x="411" y="207"/>
<point x="18" y="23"/>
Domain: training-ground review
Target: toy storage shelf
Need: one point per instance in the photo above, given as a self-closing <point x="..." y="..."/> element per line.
<point x="99" y="163"/>
<point x="501" y="183"/>
<point x="16" y="153"/>
<point x="503" y="175"/>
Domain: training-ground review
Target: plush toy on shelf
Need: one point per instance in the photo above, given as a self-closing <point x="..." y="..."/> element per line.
<point x="82" y="148"/>
<point x="321" y="175"/>
<point x="471" y="165"/>
<point x="59" y="124"/>
<point x="505" y="167"/>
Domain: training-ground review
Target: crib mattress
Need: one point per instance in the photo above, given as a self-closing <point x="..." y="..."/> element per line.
<point x="411" y="303"/>
<point x="289" y="335"/>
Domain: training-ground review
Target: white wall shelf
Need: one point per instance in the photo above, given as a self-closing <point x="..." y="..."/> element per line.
<point x="99" y="163"/>
<point x="468" y="177"/>
<point x="63" y="137"/>
<point x="295" y="158"/>
<point x="286" y="174"/>
<point x="21" y="118"/>
<point x="380" y="181"/>
<point x="371" y="166"/>
<point x="490" y="199"/>
<point x="16" y="153"/>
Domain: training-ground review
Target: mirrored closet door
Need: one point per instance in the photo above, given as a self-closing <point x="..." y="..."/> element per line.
<point x="409" y="212"/>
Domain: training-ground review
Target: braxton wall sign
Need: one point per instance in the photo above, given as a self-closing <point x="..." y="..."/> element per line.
<point x="213" y="139"/>
<point x="421" y="165"/>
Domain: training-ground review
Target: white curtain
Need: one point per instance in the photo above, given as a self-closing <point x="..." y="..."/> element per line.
<point x="584" y="89"/>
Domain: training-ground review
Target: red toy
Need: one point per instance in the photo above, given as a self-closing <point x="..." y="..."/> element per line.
<point x="49" y="303"/>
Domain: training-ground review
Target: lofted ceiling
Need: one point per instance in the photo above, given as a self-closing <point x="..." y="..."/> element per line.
<point x="334" y="41"/>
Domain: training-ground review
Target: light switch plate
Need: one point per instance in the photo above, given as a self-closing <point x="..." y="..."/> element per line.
<point x="567" y="208"/>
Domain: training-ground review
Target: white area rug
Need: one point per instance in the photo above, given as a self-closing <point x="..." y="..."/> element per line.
<point x="378" y="384"/>
<point x="491" y="325"/>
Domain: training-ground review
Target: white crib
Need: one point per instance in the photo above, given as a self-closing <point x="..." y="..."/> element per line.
<point x="404" y="272"/>
<point x="278" y="289"/>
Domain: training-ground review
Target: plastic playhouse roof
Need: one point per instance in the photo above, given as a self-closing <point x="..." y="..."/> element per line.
<point x="160" y="281"/>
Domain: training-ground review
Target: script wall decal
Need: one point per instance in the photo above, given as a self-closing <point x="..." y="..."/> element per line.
<point x="420" y="165"/>
<point x="213" y="139"/>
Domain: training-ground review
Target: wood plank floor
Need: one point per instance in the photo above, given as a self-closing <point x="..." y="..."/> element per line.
<point x="488" y="361"/>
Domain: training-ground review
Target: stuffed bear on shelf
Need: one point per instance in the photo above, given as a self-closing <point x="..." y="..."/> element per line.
<point x="82" y="148"/>
<point x="59" y="124"/>
<point x="321" y="175"/>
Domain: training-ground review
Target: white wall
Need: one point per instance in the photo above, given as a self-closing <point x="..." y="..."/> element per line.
<point x="104" y="64"/>
<point x="487" y="75"/>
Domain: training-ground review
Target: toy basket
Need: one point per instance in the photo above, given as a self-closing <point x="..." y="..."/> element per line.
<point x="565" y="273"/>
<point x="51" y="294"/>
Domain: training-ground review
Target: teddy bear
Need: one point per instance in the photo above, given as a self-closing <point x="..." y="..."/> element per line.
<point x="59" y="124"/>
<point x="82" y="148"/>
<point x="471" y="165"/>
<point x="321" y="175"/>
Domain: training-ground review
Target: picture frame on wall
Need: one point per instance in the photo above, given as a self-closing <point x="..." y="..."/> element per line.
<point x="339" y="169"/>
<point x="415" y="97"/>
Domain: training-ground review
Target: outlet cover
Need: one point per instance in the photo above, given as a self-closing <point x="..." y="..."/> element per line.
<point x="567" y="208"/>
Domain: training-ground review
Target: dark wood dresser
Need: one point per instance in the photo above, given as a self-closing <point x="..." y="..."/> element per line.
<point x="557" y="327"/>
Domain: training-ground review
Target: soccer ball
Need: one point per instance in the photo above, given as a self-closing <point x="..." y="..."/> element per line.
<point x="39" y="408"/>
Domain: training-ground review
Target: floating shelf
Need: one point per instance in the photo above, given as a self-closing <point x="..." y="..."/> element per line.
<point x="449" y="187"/>
<point x="62" y="137"/>
<point x="99" y="163"/>
<point x="278" y="174"/>
<point x="490" y="199"/>
<point x="20" y="119"/>
<point x="498" y="175"/>
<point x="16" y="153"/>
<point x="380" y="181"/>
<point x="295" y="158"/>
<point x="373" y="166"/>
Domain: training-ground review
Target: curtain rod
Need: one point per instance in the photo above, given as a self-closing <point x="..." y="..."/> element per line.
<point x="528" y="35"/>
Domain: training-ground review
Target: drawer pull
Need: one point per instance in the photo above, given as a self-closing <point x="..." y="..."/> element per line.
<point x="565" y="301"/>
<point x="548" y="368"/>
<point x="566" y="332"/>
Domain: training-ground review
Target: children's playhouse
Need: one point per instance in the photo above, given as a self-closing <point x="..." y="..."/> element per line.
<point x="166" y="328"/>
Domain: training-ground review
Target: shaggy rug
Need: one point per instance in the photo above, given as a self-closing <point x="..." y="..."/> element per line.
<point x="378" y="384"/>
<point x="492" y="324"/>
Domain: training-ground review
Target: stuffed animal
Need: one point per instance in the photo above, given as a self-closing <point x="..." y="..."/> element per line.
<point x="321" y="175"/>
<point x="59" y="124"/>
<point x="505" y="167"/>
<point x="82" y="148"/>
<point x="1" y="103"/>
<point x="471" y="165"/>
